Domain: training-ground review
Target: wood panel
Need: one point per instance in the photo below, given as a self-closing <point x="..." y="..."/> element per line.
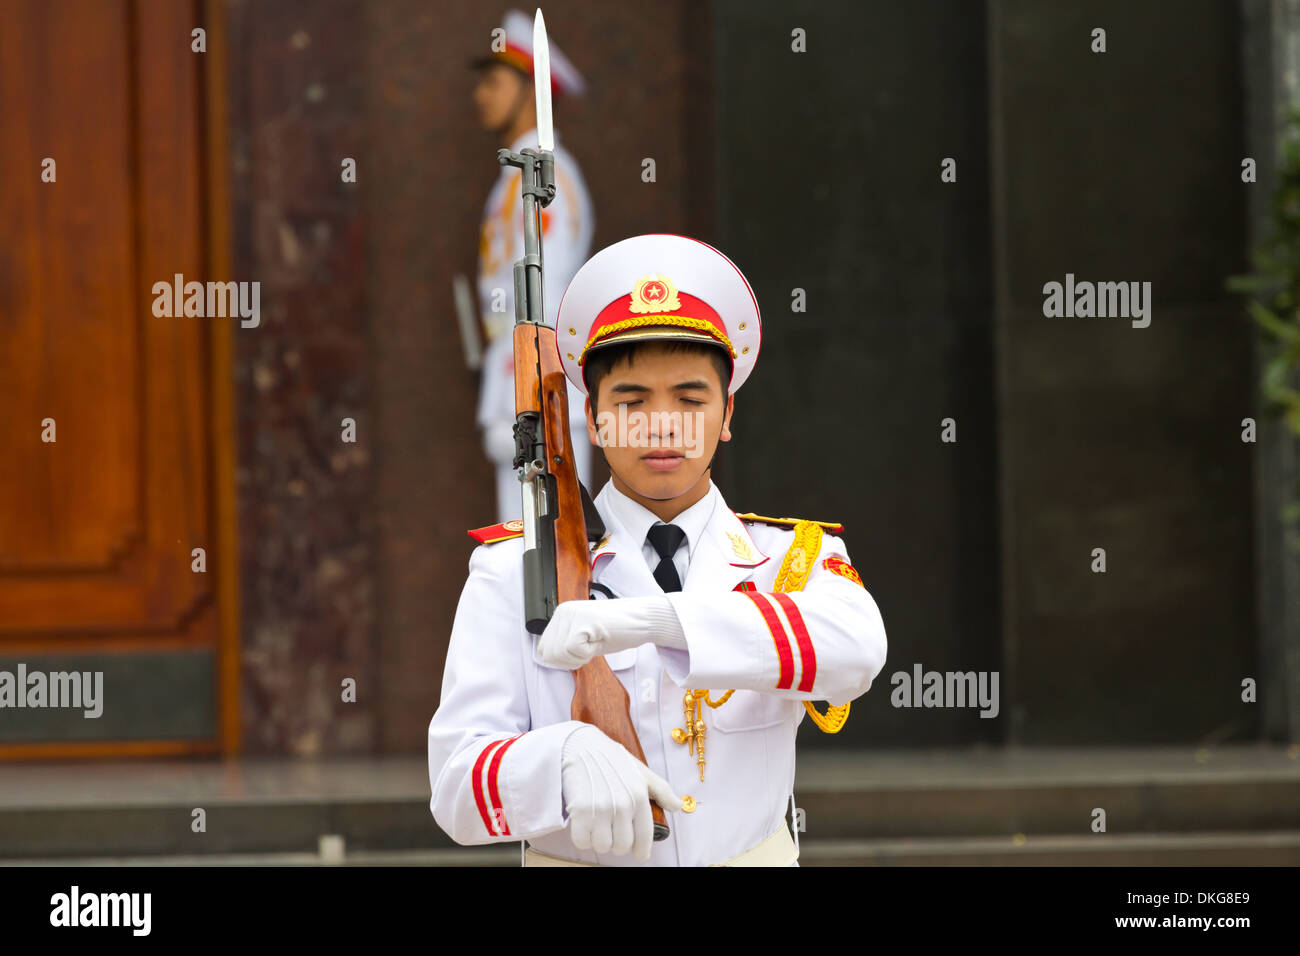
<point x="97" y="527"/>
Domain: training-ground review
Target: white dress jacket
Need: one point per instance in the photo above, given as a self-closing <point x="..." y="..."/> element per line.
<point x="495" y="741"/>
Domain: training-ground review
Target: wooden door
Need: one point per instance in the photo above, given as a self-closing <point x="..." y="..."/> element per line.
<point x="115" y="424"/>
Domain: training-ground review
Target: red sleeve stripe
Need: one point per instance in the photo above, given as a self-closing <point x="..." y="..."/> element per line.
<point x="499" y="811"/>
<point x="807" y="656"/>
<point x="783" y="653"/>
<point x="478" y="784"/>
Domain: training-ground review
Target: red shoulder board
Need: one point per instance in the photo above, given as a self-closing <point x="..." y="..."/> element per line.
<point x="497" y="532"/>
<point x="831" y="526"/>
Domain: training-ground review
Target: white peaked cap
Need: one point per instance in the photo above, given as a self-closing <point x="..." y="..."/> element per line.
<point x="660" y="287"/>
<point x="565" y="78"/>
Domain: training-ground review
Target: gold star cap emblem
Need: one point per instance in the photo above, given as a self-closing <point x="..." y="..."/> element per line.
<point x="654" y="293"/>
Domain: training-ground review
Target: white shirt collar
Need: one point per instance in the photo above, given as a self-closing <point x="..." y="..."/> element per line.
<point x="638" y="520"/>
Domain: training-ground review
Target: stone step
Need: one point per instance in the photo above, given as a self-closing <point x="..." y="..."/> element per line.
<point x="1280" y="848"/>
<point x="851" y="800"/>
<point x="1002" y="793"/>
<point x="1143" y="849"/>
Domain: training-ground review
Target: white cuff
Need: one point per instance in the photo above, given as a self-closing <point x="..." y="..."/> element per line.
<point x="663" y="623"/>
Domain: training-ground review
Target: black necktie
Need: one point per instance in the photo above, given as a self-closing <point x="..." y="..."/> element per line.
<point x="666" y="539"/>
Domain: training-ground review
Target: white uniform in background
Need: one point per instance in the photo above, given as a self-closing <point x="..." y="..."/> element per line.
<point x="567" y="225"/>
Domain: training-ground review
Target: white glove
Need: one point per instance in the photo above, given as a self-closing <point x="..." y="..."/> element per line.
<point x="581" y="630"/>
<point x="607" y="794"/>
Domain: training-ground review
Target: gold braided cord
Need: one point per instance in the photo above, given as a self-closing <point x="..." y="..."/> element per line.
<point x="704" y="696"/>
<point x="833" y="721"/>
<point x="793" y="575"/>
<point x="700" y="325"/>
<point x="798" y="560"/>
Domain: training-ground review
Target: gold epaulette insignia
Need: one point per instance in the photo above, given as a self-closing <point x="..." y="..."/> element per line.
<point x="497" y="532"/>
<point x="832" y="526"/>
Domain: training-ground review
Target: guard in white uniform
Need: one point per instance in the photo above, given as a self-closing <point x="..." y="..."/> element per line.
<point x="567" y="225"/>
<point x="758" y="616"/>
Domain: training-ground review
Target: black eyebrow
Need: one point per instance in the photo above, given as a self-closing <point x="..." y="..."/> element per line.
<point x="625" y="387"/>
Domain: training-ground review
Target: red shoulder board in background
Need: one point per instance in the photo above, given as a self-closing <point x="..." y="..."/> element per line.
<point x="839" y="566"/>
<point x="497" y="532"/>
<point x="831" y="526"/>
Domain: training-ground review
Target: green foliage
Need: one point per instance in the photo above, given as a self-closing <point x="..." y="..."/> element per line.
<point x="1274" y="285"/>
<point x="1274" y="299"/>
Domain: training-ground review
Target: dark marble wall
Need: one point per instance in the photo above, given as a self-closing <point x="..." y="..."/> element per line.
<point x="296" y="100"/>
<point x="1124" y="166"/>
<point x="353" y="555"/>
<point x="924" y="301"/>
<point x="829" y="182"/>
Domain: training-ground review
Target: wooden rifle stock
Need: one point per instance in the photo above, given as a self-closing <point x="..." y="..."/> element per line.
<point x="599" y="697"/>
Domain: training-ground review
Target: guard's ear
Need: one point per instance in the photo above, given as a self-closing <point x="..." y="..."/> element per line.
<point x="725" y="434"/>
<point x="593" y="433"/>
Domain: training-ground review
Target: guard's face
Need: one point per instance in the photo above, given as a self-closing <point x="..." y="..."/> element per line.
<point x="496" y="95"/>
<point x="659" y="419"/>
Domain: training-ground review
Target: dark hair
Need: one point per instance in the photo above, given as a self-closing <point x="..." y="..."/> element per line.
<point x="600" y="362"/>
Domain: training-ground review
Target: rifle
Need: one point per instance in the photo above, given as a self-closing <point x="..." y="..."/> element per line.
<point x="556" y="508"/>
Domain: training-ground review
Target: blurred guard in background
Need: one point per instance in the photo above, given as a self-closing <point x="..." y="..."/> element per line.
<point x="507" y="108"/>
